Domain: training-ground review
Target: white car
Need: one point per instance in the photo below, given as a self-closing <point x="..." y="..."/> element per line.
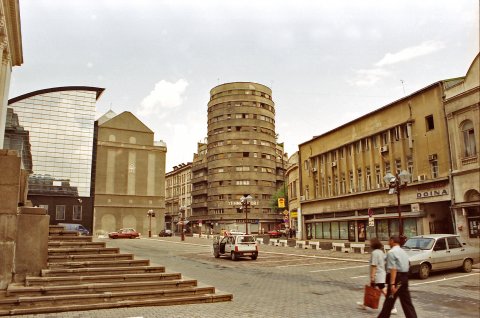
<point x="435" y="252"/>
<point x="235" y="246"/>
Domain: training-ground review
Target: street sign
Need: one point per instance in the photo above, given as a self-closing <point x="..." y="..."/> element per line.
<point x="371" y="221"/>
<point x="285" y="212"/>
<point x="281" y="202"/>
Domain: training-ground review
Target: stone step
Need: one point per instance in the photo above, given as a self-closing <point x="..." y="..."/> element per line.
<point x="82" y="250"/>
<point x="66" y="238"/>
<point x="191" y="299"/>
<point x="17" y="290"/>
<point x="69" y="244"/>
<point x="109" y="263"/>
<point x="78" y="299"/>
<point x="101" y="271"/>
<point x="88" y="257"/>
<point x="108" y="278"/>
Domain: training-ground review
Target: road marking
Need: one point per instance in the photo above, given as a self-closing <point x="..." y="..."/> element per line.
<point x="359" y="276"/>
<point x="336" y="269"/>
<point x="442" y="280"/>
<point x="304" y="264"/>
<point x="320" y="257"/>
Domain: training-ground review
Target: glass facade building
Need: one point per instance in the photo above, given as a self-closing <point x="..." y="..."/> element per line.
<point x="61" y="125"/>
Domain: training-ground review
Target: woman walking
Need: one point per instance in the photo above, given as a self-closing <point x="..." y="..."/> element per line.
<point x="377" y="269"/>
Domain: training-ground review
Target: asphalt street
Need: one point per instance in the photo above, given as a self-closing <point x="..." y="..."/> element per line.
<point x="286" y="282"/>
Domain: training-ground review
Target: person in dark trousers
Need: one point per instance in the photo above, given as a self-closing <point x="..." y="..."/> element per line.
<point x="397" y="278"/>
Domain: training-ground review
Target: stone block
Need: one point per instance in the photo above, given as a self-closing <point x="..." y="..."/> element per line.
<point x="10" y="166"/>
<point x="7" y="252"/>
<point x="8" y="227"/>
<point x="9" y="198"/>
<point x="31" y="252"/>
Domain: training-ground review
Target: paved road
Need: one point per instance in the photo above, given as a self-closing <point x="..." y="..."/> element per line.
<point x="286" y="282"/>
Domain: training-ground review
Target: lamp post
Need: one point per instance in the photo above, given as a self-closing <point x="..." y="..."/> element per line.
<point x="182" y="221"/>
<point x="395" y="184"/>
<point x="151" y="214"/>
<point x="245" y="200"/>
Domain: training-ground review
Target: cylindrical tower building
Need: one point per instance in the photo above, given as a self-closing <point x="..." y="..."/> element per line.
<point x="241" y="155"/>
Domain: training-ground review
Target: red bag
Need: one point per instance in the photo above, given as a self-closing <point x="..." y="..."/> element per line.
<point x="372" y="297"/>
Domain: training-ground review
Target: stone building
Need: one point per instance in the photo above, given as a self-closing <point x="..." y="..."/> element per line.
<point x="462" y="98"/>
<point x="241" y="157"/>
<point x="60" y="121"/>
<point x="129" y="175"/>
<point x="178" y="195"/>
<point x="11" y="53"/>
<point x="342" y="173"/>
<point x="293" y="187"/>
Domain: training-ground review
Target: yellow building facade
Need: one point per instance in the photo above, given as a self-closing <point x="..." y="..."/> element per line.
<point x="129" y="175"/>
<point x="342" y="173"/>
<point x="462" y="99"/>
<point x="178" y="195"/>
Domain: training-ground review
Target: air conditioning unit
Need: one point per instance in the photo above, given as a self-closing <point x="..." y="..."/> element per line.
<point x="432" y="157"/>
<point x="314" y="169"/>
<point x="422" y="177"/>
<point x="384" y="148"/>
<point x="334" y="163"/>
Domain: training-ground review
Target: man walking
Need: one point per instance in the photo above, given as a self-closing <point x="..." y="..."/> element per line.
<point x="397" y="278"/>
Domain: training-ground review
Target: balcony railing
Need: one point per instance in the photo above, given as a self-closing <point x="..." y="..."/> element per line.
<point x="469" y="160"/>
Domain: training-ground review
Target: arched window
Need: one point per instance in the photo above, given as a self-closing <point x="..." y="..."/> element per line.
<point x="469" y="143"/>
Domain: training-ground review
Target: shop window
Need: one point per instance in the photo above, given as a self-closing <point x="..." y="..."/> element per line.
<point x="382" y="230"/>
<point x="343" y="228"/>
<point x="335" y="229"/>
<point x="318" y="230"/>
<point x="410" y="227"/>
<point x="326" y="230"/>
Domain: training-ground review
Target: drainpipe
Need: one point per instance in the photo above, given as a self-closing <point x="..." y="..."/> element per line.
<point x="450" y="162"/>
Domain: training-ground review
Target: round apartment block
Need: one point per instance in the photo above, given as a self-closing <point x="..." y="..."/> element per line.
<point x="241" y="148"/>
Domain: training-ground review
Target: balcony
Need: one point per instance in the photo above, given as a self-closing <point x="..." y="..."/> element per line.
<point x="199" y="179"/>
<point x="199" y="205"/>
<point x="469" y="160"/>
<point x="199" y="192"/>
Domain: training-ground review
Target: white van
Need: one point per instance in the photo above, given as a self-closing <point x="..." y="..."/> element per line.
<point x="75" y="227"/>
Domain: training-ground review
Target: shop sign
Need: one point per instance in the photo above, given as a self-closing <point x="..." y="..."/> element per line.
<point x="371" y="221"/>
<point x="293" y="214"/>
<point x="239" y="203"/>
<point x="432" y="193"/>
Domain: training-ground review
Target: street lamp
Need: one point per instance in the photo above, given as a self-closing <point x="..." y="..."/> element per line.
<point x="245" y="200"/>
<point x="151" y="214"/>
<point x="182" y="221"/>
<point x="395" y="184"/>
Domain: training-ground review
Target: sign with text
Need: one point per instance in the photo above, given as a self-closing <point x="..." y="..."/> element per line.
<point x="281" y="202"/>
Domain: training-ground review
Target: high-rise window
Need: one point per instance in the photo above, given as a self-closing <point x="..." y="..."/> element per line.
<point x="434" y="168"/>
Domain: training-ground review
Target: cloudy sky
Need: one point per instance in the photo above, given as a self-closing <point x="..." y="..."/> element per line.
<point x="327" y="62"/>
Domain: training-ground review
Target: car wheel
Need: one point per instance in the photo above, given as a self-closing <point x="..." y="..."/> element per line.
<point x="424" y="271"/>
<point x="254" y="256"/>
<point x="467" y="266"/>
<point x="234" y="256"/>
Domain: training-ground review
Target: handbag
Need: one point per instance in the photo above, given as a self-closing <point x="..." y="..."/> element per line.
<point x="372" y="297"/>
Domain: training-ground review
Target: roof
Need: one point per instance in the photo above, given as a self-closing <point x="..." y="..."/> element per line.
<point x="98" y="90"/>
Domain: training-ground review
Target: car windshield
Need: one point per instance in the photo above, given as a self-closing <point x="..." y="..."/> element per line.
<point x="419" y="243"/>
<point x="246" y="239"/>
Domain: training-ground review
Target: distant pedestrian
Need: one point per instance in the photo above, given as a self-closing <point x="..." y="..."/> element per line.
<point x="397" y="278"/>
<point x="377" y="269"/>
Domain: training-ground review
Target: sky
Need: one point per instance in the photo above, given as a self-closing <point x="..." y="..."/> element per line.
<point x="327" y="62"/>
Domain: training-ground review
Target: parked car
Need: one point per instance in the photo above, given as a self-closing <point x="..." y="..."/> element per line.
<point x="435" y="252"/>
<point x="75" y="227"/>
<point x="274" y="233"/>
<point x="235" y="246"/>
<point x="124" y="233"/>
<point x="164" y="233"/>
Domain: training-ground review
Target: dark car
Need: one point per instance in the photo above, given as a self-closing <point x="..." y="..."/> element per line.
<point x="124" y="233"/>
<point x="164" y="233"/>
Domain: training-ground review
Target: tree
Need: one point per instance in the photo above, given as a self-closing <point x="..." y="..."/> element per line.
<point x="281" y="193"/>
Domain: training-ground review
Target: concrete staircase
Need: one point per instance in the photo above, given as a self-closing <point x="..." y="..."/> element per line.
<point x="86" y="275"/>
